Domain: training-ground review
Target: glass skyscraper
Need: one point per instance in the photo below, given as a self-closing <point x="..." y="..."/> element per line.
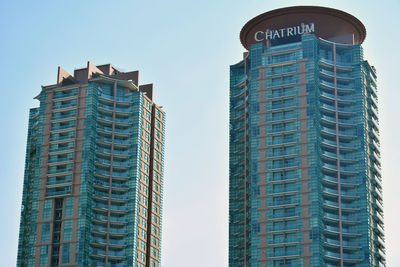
<point x="305" y="168"/>
<point x="93" y="183"/>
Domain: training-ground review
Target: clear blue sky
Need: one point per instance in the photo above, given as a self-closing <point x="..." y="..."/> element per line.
<point x="185" y="49"/>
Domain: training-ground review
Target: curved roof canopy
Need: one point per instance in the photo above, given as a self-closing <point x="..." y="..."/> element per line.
<point x="329" y="23"/>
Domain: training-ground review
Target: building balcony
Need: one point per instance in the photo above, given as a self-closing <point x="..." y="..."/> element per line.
<point x="59" y="180"/>
<point x="339" y="65"/>
<point x="60" y="106"/>
<point x="61" y="161"/>
<point x="341" y="99"/>
<point x="342" y="88"/>
<point x="331" y="75"/>
<point x="344" y="194"/>
<point x="118" y="142"/>
<point x="379" y="230"/>
<point x="283" y="215"/>
<point x="374" y="111"/>
<point x="378" y="217"/>
<point x="376" y="170"/>
<point x="380" y="254"/>
<point x="348" y="220"/>
<point x="375" y="125"/>
<point x="65" y="95"/>
<point x="116" y="243"/>
<point x="377" y="205"/>
<point x="122" y="154"/>
<point x="62" y="128"/>
<point x="121" y="176"/>
<point x="63" y="118"/>
<point x="106" y="185"/>
<point x="345" y="231"/>
<point x="342" y="111"/>
<point x="125" y="100"/>
<point x="345" y="158"/>
<point x="58" y="191"/>
<point x="282" y="106"/>
<point x="344" y="123"/>
<point x="373" y="102"/>
<point x="114" y="197"/>
<point x="334" y="168"/>
<point x="283" y="255"/>
<point x="345" y="183"/>
<point x="375" y="147"/>
<point x="240" y="93"/>
<point x="67" y="149"/>
<point x="54" y="171"/>
<point x="335" y="243"/>
<point x="241" y="82"/>
<point x="68" y="138"/>
<point x="102" y="230"/>
<point x="377" y="193"/>
<point x="379" y="241"/>
<point x="376" y="158"/>
<point x="375" y="134"/>
<point x="283" y="191"/>
<point x="344" y="206"/>
<point x="113" y="220"/>
<point x="237" y="115"/>
<point x="280" y="95"/>
<point x="344" y="147"/>
<point x="348" y="258"/>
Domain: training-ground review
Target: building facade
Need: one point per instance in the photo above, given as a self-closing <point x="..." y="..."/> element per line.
<point x="93" y="183"/>
<point x="305" y="169"/>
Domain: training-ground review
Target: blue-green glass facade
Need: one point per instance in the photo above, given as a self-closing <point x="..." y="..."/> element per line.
<point x="93" y="177"/>
<point x="305" y="169"/>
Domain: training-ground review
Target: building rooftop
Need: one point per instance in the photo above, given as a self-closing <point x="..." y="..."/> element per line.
<point x="329" y="24"/>
<point x="103" y="73"/>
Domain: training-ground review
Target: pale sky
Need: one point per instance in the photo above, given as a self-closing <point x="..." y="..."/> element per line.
<point x="185" y="49"/>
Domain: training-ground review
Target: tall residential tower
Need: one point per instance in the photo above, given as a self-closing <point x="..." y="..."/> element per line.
<point x="305" y="168"/>
<point x="93" y="180"/>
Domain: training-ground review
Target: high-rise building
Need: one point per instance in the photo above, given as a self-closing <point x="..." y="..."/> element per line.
<point x="305" y="168"/>
<point x="93" y="184"/>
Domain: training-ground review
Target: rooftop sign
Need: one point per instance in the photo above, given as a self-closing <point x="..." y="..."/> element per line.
<point x="260" y="36"/>
<point x="287" y="25"/>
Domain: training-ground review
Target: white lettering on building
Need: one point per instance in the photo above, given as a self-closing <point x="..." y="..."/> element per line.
<point x="285" y="32"/>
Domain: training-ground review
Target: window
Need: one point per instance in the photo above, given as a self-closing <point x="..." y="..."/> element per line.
<point x="146" y="157"/>
<point x="69" y="206"/>
<point x="145" y="178"/>
<point x="143" y="233"/>
<point x="44" y="255"/>
<point x="46" y="232"/>
<point x="144" y="211"/>
<point x="67" y="230"/>
<point x="158" y="134"/>
<point x="145" y="167"/>
<point x="146" y="147"/>
<point x="65" y="253"/>
<point x="154" y="229"/>
<point x="48" y="207"/>
<point x="158" y="124"/>
<point x="143" y="245"/>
